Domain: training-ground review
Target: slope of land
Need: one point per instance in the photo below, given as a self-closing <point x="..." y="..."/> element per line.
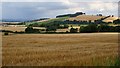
<point x="49" y="20"/>
<point x="110" y="19"/>
<point x="86" y="18"/>
<point x="79" y="18"/>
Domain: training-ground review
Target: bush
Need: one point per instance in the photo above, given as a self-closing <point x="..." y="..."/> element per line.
<point x="52" y="27"/>
<point x="88" y="29"/>
<point x="67" y="32"/>
<point x="73" y="30"/>
<point x="103" y="28"/>
<point x="6" y="33"/>
<point x="66" y="26"/>
<point x="106" y="28"/>
<point x="117" y="62"/>
<point x="117" y="28"/>
<point x="29" y="29"/>
<point x="116" y="21"/>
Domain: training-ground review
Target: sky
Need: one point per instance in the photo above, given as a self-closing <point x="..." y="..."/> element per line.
<point x="35" y="9"/>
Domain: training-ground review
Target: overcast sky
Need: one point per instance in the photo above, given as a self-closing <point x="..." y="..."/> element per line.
<point x="35" y="9"/>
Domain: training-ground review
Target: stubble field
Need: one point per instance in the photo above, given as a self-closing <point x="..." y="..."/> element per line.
<point x="95" y="49"/>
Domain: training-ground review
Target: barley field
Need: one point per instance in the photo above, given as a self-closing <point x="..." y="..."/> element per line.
<point x="94" y="49"/>
<point x="86" y="18"/>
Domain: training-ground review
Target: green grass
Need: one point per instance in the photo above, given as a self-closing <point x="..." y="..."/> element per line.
<point x="117" y="62"/>
<point x="49" y="20"/>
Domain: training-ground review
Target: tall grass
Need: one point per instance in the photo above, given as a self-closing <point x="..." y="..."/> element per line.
<point x="117" y="62"/>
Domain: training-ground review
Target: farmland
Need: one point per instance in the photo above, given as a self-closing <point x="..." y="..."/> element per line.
<point x="94" y="49"/>
<point x="86" y="18"/>
<point x="65" y="46"/>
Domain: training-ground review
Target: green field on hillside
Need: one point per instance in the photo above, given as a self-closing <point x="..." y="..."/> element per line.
<point x="48" y="21"/>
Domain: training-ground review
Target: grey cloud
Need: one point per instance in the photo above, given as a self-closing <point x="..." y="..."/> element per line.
<point x="19" y="10"/>
<point x="33" y="10"/>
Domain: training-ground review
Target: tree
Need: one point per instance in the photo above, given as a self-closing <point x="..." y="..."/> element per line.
<point x="29" y="29"/>
<point x="73" y="30"/>
<point x="90" y="28"/>
<point x="66" y="26"/>
<point x="104" y="28"/>
<point x="117" y="28"/>
<point x="116" y="21"/>
<point x="51" y="27"/>
<point x="6" y="33"/>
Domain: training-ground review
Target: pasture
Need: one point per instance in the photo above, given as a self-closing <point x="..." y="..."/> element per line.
<point x="94" y="49"/>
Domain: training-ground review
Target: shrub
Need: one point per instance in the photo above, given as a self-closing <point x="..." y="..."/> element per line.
<point x="116" y="21"/>
<point x="36" y="30"/>
<point x="102" y="28"/>
<point x="67" y="32"/>
<point x="6" y="33"/>
<point x="66" y="26"/>
<point x="117" y="28"/>
<point x="52" y="27"/>
<point x="88" y="29"/>
<point x="29" y="29"/>
<point x="73" y="30"/>
<point x="106" y="28"/>
<point x="117" y="62"/>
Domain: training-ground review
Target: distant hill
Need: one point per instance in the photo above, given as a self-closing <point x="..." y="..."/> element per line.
<point x="50" y="20"/>
<point x="80" y="19"/>
<point x="76" y="18"/>
<point x="37" y="20"/>
<point x="86" y="18"/>
<point x="92" y="18"/>
<point x="10" y="20"/>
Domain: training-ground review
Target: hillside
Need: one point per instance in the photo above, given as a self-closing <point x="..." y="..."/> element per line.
<point x="80" y="19"/>
<point x="86" y="18"/>
<point x="48" y="20"/>
<point x="110" y="19"/>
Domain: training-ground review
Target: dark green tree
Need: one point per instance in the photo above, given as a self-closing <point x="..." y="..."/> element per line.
<point x="29" y="29"/>
<point x="90" y="28"/>
<point x="116" y="21"/>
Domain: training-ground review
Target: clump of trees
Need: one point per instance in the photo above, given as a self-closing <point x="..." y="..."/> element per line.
<point x="99" y="28"/>
<point x="30" y="29"/>
<point x="73" y="30"/>
<point x="51" y="27"/>
<point x="71" y="15"/>
<point x="88" y="29"/>
<point x="116" y="21"/>
<point x="6" y="33"/>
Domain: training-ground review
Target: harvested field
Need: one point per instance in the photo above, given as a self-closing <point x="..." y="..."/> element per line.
<point x="110" y="19"/>
<point x="14" y="28"/>
<point x="19" y="29"/>
<point x="94" y="49"/>
<point x="86" y="18"/>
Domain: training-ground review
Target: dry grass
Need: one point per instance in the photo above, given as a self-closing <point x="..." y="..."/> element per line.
<point x="110" y="19"/>
<point x="23" y="29"/>
<point x="59" y="49"/>
<point x="86" y="18"/>
<point x="14" y="28"/>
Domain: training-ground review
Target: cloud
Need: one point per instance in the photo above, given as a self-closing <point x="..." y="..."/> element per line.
<point x="0" y="11"/>
<point x="58" y="0"/>
<point x="104" y="8"/>
<point x="34" y="10"/>
<point x="30" y="10"/>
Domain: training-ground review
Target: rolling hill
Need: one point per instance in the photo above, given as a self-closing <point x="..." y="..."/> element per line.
<point x="86" y="18"/>
<point x="79" y="18"/>
<point x="110" y="19"/>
